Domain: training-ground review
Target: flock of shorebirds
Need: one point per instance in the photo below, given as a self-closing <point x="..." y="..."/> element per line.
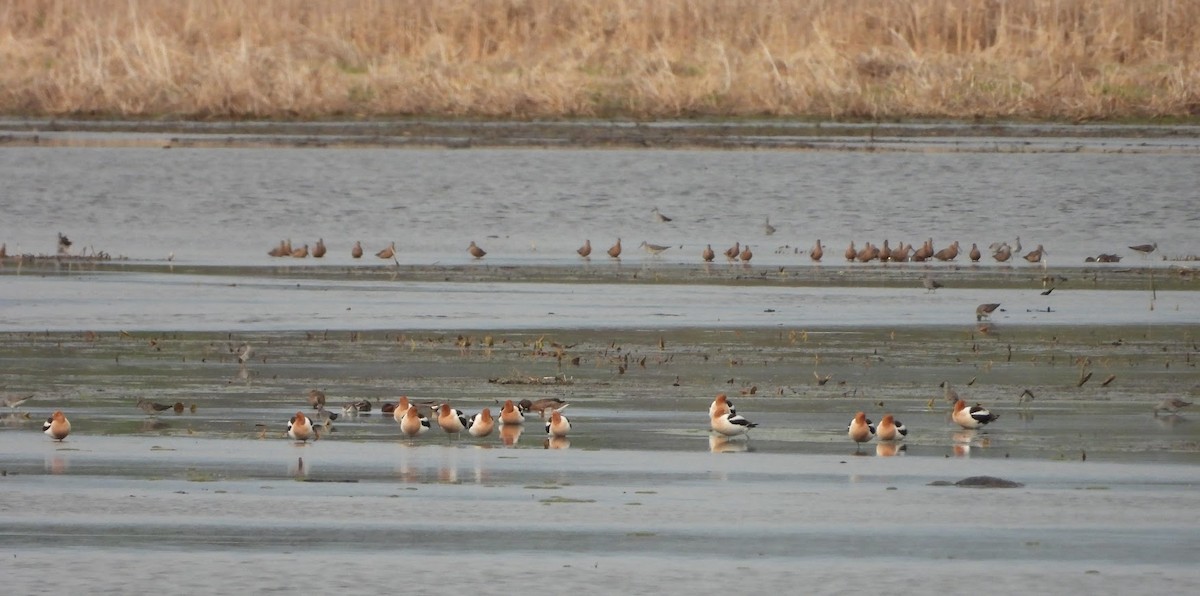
<point x="416" y="418"/>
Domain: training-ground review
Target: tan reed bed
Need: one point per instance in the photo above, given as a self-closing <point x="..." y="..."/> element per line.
<point x="844" y="59"/>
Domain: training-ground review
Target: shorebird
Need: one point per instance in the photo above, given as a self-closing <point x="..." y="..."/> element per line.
<point x="510" y="414"/>
<point x="975" y="254"/>
<point x="357" y="251"/>
<point x="585" y="251"/>
<point x="57" y="426"/>
<point x="768" y="229"/>
<point x="64" y="243"/>
<point x="475" y="251"/>
<point x="851" y="253"/>
<point x="1001" y="252"/>
<point x="318" y="251"/>
<point x="614" y="251"/>
<point x="1025" y="397"/>
<point x="659" y="216"/>
<point x="388" y="252"/>
<point x="316" y="398"/>
<point x="1172" y="405"/>
<point x="860" y="430"/>
<point x="985" y="311"/>
<point x="451" y="420"/>
<point x="885" y="252"/>
<point x="300" y="428"/>
<point x="925" y="252"/>
<point x="733" y="252"/>
<point x="1145" y="249"/>
<point x="151" y="407"/>
<point x="746" y="254"/>
<point x="4" y="251"/>
<point x="413" y="424"/>
<point x="947" y="254"/>
<point x="868" y="253"/>
<point x="1035" y="256"/>
<point x="356" y="407"/>
<point x="972" y="417"/>
<point x="708" y="255"/>
<point x="930" y="283"/>
<point x="558" y="426"/>
<point x="816" y="252"/>
<point x="721" y="406"/>
<point x="301" y="252"/>
<point x="481" y="424"/>
<point x="731" y="424"/>
<point x="890" y="429"/>
<point x="540" y="406"/>
<point x="654" y="249"/>
<point x="280" y="251"/>
<point x="14" y="401"/>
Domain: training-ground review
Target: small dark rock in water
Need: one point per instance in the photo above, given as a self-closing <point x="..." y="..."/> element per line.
<point x="987" y="482"/>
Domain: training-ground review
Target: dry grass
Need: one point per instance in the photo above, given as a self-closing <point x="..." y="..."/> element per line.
<point x="1052" y="59"/>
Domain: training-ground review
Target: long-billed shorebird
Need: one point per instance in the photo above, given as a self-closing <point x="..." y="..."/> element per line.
<point x="585" y="251"/>
<point x="1145" y="249"/>
<point x="151" y="407"/>
<point x="318" y="251"/>
<point x="475" y="251"/>
<point x="653" y="249"/>
<point x="1035" y="255"/>
<point x="746" y="254"/>
<point x="733" y="252"/>
<point x="975" y="255"/>
<point x="768" y="229"/>
<point x="14" y="401"/>
<point x="816" y="252"/>
<point x="388" y="252"/>
<point x="708" y="254"/>
<point x="614" y="251"/>
<point x="357" y="251"/>
<point x="985" y="310"/>
<point x="451" y="420"/>
<point x="658" y="216"/>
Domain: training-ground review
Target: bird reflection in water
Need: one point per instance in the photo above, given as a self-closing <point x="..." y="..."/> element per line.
<point x="718" y="443"/>
<point x="890" y="448"/>
<point x="965" y="440"/>
<point x="557" y="443"/>
<point x="56" y="464"/>
<point x="509" y="434"/>
<point x="298" y="470"/>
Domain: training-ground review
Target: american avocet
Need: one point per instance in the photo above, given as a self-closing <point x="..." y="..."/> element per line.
<point x="509" y="414"/>
<point x="401" y="408"/>
<point x="357" y="251"/>
<point x="614" y="251"/>
<point x="585" y="251"/>
<point x="413" y="424"/>
<point x="481" y="424"/>
<point x="721" y="406"/>
<point x="318" y="251"/>
<point x="890" y="429"/>
<point x="985" y="310"/>
<point x="316" y="397"/>
<point x="300" y="428"/>
<point x="731" y="424"/>
<point x="971" y="417"/>
<point x="558" y="426"/>
<point x="451" y="420"/>
<point x="860" y="430"/>
<point x="1172" y="405"/>
<point x="541" y="405"/>
<point x="151" y="407"/>
<point x="708" y="254"/>
<point x="57" y="426"/>
<point x="475" y="251"/>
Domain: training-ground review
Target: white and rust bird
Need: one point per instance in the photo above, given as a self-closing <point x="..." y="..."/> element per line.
<point x="860" y="430"/>
<point x="451" y="420"/>
<point x="57" y="426"/>
<point x="721" y="406"/>
<point x="510" y="414"/>
<point x="413" y="424"/>
<point x="731" y="424"/>
<point x="558" y="425"/>
<point x="971" y="417"/>
<point x="300" y="428"/>
<point x="890" y="429"/>
<point x="481" y="424"/>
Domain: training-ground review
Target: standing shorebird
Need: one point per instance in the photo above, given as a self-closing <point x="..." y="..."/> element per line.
<point x="658" y="216"/>
<point x="413" y="424"/>
<point x="975" y="254"/>
<point x="300" y="428"/>
<point x="475" y="251"/>
<point x="972" y="417"/>
<point x="357" y="251"/>
<point x="1035" y="255"/>
<point x="851" y="252"/>
<point x="733" y="252"/>
<point x="1172" y="405"/>
<point x="614" y="251"/>
<point x="14" y="401"/>
<point x="768" y="229"/>
<point x="301" y="252"/>
<point x="388" y="252"/>
<point x="890" y="429"/>
<point x="930" y="283"/>
<point x="481" y="424"/>
<point x="510" y="414"/>
<point x="1002" y="252"/>
<point x="860" y="430"/>
<point x="817" y="252"/>
<point x="558" y="425"/>
<point x="316" y="398"/>
<point x="585" y="251"/>
<point x="57" y="426"/>
<point x="318" y="251"/>
<point x="654" y="249"/>
<point x="731" y="424"/>
<point x="451" y="420"/>
<point x="151" y="407"/>
<point x="985" y="311"/>
<point x="947" y="254"/>
<point x="746" y="254"/>
<point x="708" y="255"/>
